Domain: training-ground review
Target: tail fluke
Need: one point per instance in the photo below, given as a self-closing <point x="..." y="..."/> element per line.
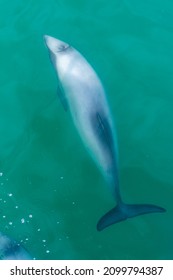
<point x="125" y="211"/>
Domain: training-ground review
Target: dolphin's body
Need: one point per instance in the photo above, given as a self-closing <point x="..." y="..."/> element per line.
<point x="11" y="250"/>
<point x="83" y="94"/>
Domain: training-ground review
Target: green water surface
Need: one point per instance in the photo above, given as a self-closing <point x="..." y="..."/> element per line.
<point x="51" y="192"/>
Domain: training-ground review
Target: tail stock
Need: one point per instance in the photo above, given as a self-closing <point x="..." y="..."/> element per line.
<point x="124" y="211"/>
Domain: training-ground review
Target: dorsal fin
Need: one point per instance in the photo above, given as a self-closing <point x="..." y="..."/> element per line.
<point x="105" y="130"/>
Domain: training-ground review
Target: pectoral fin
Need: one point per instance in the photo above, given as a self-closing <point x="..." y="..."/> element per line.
<point x="62" y="97"/>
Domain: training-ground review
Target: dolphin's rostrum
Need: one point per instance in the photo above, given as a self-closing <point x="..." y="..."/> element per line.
<point x="82" y="93"/>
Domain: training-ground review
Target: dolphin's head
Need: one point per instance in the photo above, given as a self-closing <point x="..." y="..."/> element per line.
<point x="54" y="45"/>
<point x="58" y="52"/>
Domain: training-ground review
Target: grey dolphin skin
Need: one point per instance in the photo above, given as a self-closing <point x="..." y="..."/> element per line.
<point x="82" y="93"/>
<point x="11" y="250"/>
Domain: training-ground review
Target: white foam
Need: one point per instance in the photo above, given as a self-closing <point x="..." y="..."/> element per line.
<point x="22" y="220"/>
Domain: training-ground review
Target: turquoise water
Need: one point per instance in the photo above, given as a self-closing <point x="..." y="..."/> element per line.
<point x="51" y="192"/>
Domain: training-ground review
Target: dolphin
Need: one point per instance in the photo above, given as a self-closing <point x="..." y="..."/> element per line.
<point x="11" y="250"/>
<point x="82" y="93"/>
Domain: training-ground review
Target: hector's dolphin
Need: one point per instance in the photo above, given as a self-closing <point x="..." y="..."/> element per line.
<point x="11" y="250"/>
<point x="82" y="93"/>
